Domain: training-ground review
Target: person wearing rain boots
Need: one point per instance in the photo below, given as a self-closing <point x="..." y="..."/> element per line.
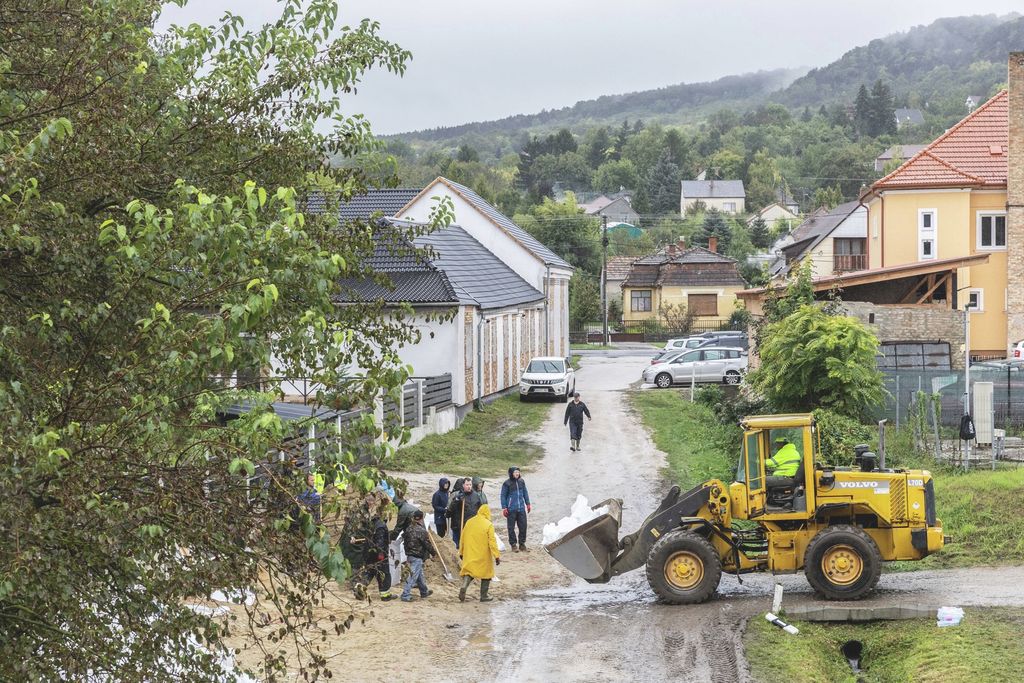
<point x="479" y="553"/>
<point x="574" y="412"/>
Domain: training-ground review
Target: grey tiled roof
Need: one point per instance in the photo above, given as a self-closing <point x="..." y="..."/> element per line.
<point x="694" y="266"/>
<point x="911" y="116"/>
<point x="522" y="236"/>
<point x="383" y="203"/>
<point x="712" y="189"/>
<point x="450" y="268"/>
<point x="472" y="267"/>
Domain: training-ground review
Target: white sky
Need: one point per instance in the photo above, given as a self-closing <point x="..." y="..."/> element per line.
<point x="484" y="59"/>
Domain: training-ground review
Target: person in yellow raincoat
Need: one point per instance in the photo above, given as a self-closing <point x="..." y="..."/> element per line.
<point x="479" y="552"/>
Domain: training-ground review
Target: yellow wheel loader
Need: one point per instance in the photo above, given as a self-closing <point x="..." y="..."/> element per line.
<point x="837" y="524"/>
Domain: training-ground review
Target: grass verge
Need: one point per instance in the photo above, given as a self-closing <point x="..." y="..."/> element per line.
<point x="697" y="445"/>
<point x="986" y="646"/>
<point x="486" y="443"/>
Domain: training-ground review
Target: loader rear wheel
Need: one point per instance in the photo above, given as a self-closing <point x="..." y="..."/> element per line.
<point x="843" y="563"/>
<point x="683" y="568"/>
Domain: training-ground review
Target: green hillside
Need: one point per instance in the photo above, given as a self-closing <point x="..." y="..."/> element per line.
<point x="930" y="67"/>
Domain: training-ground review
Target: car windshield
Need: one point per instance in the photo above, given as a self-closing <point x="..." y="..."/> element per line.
<point x="555" y="366"/>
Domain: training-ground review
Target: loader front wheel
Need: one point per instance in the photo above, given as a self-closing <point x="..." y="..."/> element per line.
<point x="683" y="568"/>
<point x="843" y="563"/>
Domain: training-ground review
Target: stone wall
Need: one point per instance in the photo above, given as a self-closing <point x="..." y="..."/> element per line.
<point x="894" y="323"/>
<point x="1015" y="202"/>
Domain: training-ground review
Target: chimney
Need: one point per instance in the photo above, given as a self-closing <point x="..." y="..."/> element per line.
<point x="1015" y="202"/>
<point x="713" y="244"/>
<point x="681" y="243"/>
<point x="671" y="249"/>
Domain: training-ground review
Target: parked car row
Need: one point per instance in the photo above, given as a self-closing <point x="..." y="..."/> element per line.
<point x="726" y="338"/>
<point x="709" y="364"/>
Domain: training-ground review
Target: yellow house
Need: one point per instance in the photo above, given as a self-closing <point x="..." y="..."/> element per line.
<point x="949" y="201"/>
<point x="703" y="281"/>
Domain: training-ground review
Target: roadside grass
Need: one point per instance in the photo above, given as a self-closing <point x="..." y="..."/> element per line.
<point x="986" y="646"/>
<point x="698" y="446"/>
<point x="485" y="444"/>
<point x="591" y="347"/>
<point x="574" y="361"/>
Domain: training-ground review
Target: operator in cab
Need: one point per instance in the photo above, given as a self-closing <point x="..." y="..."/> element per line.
<point x="786" y="460"/>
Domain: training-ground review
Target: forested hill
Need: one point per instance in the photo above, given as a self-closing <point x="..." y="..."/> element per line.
<point x="948" y="59"/>
<point x="931" y="67"/>
<point x="671" y="104"/>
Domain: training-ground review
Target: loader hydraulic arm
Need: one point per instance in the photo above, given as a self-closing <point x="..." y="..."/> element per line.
<point x="635" y="547"/>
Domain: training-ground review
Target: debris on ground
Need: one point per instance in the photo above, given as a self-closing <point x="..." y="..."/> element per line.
<point x="949" y="616"/>
<point x="579" y="514"/>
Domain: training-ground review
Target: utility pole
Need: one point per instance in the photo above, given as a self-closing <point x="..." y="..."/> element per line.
<point x="604" y="278"/>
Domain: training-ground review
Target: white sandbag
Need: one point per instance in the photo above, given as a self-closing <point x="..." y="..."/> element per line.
<point x="579" y="514"/>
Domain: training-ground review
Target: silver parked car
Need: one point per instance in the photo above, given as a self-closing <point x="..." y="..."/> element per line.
<point x="712" y="364"/>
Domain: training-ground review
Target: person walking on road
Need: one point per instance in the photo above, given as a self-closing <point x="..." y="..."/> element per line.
<point x="405" y="513"/>
<point x="463" y="507"/>
<point x="418" y="549"/>
<point x="574" y="413"/>
<point x="440" y="504"/>
<point x="479" y="553"/>
<point x="515" y="505"/>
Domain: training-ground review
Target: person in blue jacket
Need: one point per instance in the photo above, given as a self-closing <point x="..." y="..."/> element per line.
<point x="515" y="505"/>
<point x="440" y="504"/>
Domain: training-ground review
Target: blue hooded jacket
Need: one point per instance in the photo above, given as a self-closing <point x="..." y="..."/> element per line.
<point x="440" y="500"/>
<point x="514" y="494"/>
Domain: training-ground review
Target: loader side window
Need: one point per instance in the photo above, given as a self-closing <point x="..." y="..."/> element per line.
<point x="753" y="461"/>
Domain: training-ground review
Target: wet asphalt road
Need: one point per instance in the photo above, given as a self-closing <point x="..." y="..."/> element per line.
<point x="616" y="631"/>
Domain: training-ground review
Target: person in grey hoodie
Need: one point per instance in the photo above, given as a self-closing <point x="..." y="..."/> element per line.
<point x="515" y="505"/>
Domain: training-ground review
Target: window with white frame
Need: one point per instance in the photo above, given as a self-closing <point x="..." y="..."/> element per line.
<point x="729" y="206"/>
<point x="992" y="230"/>
<point x="927" y="234"/>
<point x="976" y="300"/>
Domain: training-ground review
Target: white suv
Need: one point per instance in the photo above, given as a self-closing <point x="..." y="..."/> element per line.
<point x="1017" y="351"/>
<point x="548" y="377"/>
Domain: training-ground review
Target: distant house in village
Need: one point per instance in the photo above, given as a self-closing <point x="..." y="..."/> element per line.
<point x="700" y="279"/>
<point x="507" y="291"/>
<point x="724" y="195"/>
<point x="901" y="152"/>
<point x="617" y="210"/>
<point x="617" y="269"/>
<point x="775" y="212"/>
<point x="908" y="117"/>
<point x="833" y="241"/>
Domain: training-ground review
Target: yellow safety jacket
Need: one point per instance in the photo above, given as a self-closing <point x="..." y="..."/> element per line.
<point x="784" y="463"/>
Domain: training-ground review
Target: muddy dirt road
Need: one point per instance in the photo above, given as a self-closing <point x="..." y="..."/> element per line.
<point x="547" y="625"/>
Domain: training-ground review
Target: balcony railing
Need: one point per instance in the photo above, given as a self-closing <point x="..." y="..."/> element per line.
<point x="842" y="263"/>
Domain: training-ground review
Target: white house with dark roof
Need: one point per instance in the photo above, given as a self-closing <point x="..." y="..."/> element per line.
<point x="908" y="117"/>
<point x="832" y="240"/>
<point x="617" y="210"/>
<point x="724" y="195"/>
<point x="519" y="250"/>
<point x="486" y="296"/>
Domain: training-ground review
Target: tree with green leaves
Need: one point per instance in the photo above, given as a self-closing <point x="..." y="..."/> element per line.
<point x="882" y="121"/>
<point x="763" y="179"/>
<point x="157" y="257"/>
<point x="715" y="225"/>
<point x="828" y="197"/>
<point x="612" y="176"/>
<point x="467" y="153"/>
<point x="812" y="360"/>
<point x="662" y="185"/>
<point x="863" y="111"/>
<point x="584" y="300"/>
<point x="564" y="228"/>
<point x="760" y="235"/>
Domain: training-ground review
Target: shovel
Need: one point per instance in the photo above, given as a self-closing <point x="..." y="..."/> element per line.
<point x="447" y="574"/>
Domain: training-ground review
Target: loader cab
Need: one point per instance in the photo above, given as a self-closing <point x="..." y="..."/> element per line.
<point x="757" y="495"/>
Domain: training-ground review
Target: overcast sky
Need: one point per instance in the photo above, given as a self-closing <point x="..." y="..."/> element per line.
<point x="484" y="59"/>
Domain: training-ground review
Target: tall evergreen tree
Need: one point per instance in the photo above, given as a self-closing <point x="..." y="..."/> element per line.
<point x="715" y="225"/>
<point x="863" y="111"/>
<point x="760" y="235"/>
<point x="806" y="116"/>
<point x="882" y="120"/>
<point x="663" y="186"/>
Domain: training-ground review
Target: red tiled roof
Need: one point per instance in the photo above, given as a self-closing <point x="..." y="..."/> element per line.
<point x="963" y="155"/>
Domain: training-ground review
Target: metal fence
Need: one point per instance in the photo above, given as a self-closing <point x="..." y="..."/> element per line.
<point x="644" y="330"/>
<point x="903" y="387"/>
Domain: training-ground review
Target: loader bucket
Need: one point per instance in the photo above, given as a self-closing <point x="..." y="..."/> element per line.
<point x="588" y="550"/>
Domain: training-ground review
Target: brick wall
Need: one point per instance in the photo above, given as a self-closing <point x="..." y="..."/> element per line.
<point x="913" y="323"/>
<point x="1015" y="202"/>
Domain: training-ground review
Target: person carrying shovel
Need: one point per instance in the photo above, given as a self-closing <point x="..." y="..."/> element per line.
<point x="574" y="413"/>
<point x="418" y="548"/>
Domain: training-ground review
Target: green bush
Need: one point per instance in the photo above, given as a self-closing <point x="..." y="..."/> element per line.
<point x="839" y="434"/>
